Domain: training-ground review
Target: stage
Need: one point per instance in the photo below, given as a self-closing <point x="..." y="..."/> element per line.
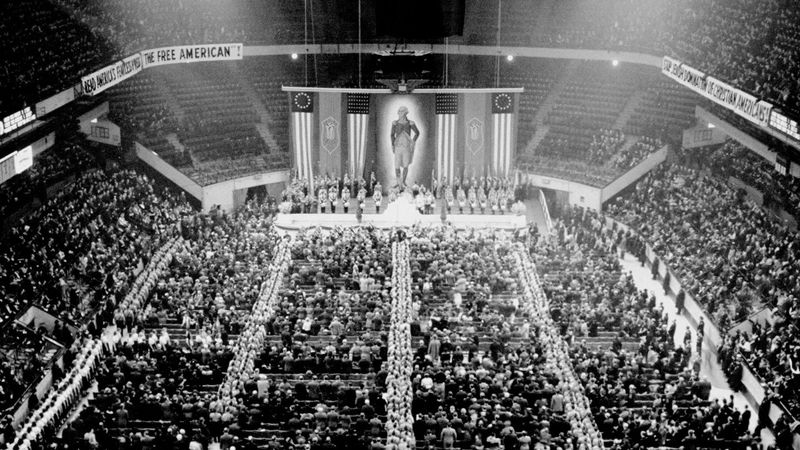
<point x="400" y="213"/>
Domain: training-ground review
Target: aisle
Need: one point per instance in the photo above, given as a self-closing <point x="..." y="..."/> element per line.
<point x="709" y="366"/>
<point x="535" y="213"/>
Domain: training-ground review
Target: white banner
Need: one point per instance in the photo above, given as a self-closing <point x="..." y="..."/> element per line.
<point x="7" y="167"/>
<point x="192" y="53"/>
<point x="738" y="101"/>
<point x="51" y="104"/>
<point x="17" y="120"/>
<point x="114" y="74"/>
<point x="23" y="159"/>
<point x="742" y="103"/>
<point x="683" y="74"/>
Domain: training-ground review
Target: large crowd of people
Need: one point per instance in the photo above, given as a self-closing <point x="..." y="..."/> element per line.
<point x="210" y="330"/>
<point x="475" y="363"/>
<point x="734" y="159"/>
<point x="483" y="375"/>
<point x="748" y="260"/>
<point x="643" y="382"/>
<point x="679" y="210"/>
<point x="50" y="167"/>
<point x="78" y="252"/>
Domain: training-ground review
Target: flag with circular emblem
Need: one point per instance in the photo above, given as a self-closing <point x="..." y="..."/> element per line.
<point x="302" y="106"/>
<point x="502" y="132"/>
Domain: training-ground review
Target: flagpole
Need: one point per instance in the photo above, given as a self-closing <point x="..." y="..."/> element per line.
<point x="359" y="44"/>
<point x="305" y="40"/>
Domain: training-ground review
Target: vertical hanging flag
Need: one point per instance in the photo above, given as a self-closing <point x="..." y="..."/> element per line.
<point x="357" y="122"/>
<point x="328" y="114"/>
<point x="302" y="105"/>
<point x="502" y="133"/>
<point x="446" y="113"/>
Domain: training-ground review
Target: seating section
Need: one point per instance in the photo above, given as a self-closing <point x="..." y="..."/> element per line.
<point x="632" y="155"/>
<point x="322" y="360"/>
<point x="97" y="31"/>
<point x="24" y="352"/>
<point x="71" y="273"/>
<point x="666" y="109"/>
<point x="172" y="355"/>
<point x="140" y="109"/>
<point x="624" y="350"/>
<point x="537" y="77"/>
<point x="592" y="99"/>
<point x="45" y="51"/>
<point x="747" y="261"/>
<point x="602" y="120"/>
<point x="49" y="168"/>
<point x="688" y="210"/>
<point x="480" y="378"/>
<point x="268" y="75"/>
<point x="733" y="159"/>
<point x="200" y="121"/>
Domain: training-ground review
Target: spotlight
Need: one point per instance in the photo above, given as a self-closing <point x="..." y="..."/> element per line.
<point x="615" y="63"/>
<point x="294" y="55"/>
<point x="510" y="58"/>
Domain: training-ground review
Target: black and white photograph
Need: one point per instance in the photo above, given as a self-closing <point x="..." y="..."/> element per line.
<point x="412" y="225"/>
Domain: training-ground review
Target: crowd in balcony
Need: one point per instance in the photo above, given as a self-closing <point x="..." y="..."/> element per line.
<point x="49" y="167"/>
<point x="629" y="157"/>
<point x="780" y="190"/>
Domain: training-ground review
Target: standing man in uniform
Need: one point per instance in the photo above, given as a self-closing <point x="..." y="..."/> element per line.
<point x="403" y="144"/>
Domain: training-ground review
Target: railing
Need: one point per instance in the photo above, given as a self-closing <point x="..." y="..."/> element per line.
<point x="546" y="211"/>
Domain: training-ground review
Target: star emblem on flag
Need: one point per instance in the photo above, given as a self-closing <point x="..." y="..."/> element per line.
<point x="501" y="103"/>
<point x="301" y="102"/>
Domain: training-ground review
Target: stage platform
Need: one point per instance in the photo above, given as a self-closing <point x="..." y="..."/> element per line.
<point x="400" y="213"/>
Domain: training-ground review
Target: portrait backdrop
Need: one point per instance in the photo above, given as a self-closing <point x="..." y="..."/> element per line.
<point x="420" y="111"/>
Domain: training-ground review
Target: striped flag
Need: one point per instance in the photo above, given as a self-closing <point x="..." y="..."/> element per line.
<point x="302" y="105"/>
<point x="502" y="127"/>
<point x="357" y="123"/>
<point x="446" y="113"/>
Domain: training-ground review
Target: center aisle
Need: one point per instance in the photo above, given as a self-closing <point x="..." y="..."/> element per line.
<point x="536" y="305"/>
<point x="399" y="419"/>
<point x="253" y="334"/>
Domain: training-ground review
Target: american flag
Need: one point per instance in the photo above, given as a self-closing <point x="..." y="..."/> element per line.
<point x="302" y="106"/>
<point x="357" y="123"/>
<point x="502" y="127"/>
<point x="446" y="113"/>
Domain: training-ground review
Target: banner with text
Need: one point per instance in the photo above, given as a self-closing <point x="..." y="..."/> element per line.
<point x="109" y="76"/>
<point x="191" y="53"/>
<point x="738" y="101"/>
